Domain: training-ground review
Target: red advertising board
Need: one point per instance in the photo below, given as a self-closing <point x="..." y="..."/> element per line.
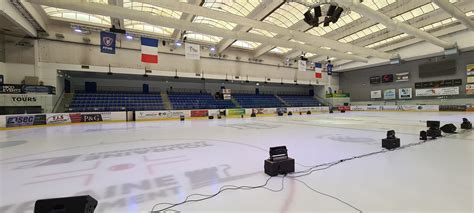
<point x="199" y="113"/>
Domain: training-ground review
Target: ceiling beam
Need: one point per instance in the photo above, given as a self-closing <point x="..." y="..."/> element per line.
<point x="120" y="12"/>
<point x="186" y="17"/>
<point x="260" y="12"/>
<point x="264" y="48"/>
<point x="456" y="13"/>
<point x="300" y="36"/>
<point x="394" y="24"/>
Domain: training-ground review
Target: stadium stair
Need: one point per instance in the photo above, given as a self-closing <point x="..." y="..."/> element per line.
<point x="65" y="102"/>
<point x="236" y="103"/>
<point x="283" y="101"/>
<point x="166" y="101"/>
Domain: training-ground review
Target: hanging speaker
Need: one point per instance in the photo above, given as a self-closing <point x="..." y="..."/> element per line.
<point x="163" y="42"/>
<point x="317" y="12"/>
<point x="331" y="10"/>
<point x="337" y="14"/>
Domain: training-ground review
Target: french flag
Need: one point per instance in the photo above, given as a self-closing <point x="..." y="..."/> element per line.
<point x="149" y="50"/>
<point x="318" y="68"/>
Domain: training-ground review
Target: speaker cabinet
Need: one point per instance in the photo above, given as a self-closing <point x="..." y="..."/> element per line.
<point x="79" y="204"/>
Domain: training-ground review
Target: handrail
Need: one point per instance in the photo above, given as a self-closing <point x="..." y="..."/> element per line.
<point x="59" y="99"/>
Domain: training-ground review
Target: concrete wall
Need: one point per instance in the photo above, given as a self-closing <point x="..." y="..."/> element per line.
<point x="357" y="82"/>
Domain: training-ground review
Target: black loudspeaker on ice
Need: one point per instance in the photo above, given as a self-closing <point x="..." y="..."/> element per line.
<point x="79" y="204"/>
<point x="279" y="162"/>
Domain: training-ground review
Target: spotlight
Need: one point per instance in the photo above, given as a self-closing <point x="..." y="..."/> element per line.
<point x="129" y="37"/>
<point x="184" y="39"/>
<point x="337" y="14"/>
<point x="327" y="20"/>
<point x="178" y="43"/>
<point x="466" y="124"/>
<point x="391" y="142"/>
<point x="77" y="30"/>
<point x="279" y="162"/>
<point x="331" y="10"/>
<point x="317" y="12"/>
<point x="212" y="49"/>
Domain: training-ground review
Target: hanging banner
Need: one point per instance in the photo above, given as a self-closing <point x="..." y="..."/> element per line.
<point x="329" y="69"/>
<point x="437" y="91"/>
<point x="389" y="94"/>
<point x="376" y="94"/>
<point x="149" y="48"/>
<point x="301" y="65"/>
<point x="107" y="42"/>
<point x="404" y="76"/>
<point x="318" y="68"/>
<point x="405" y="93"/>
<point x="192" y="51"/>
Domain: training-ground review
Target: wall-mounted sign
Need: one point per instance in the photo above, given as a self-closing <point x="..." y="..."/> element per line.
<point x="404" y="76"/>
<point x="389" y="94"/>
<point x="437" y="91"/>
<point x="376" y="94"/>
<point x="405" y="93"/>
<point x="469" y="89"/>
<point x="374" y="80"/>
<point x="387" y="78"/>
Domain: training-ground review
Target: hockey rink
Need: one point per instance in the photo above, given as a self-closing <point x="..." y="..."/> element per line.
<point x="130" y="167"/>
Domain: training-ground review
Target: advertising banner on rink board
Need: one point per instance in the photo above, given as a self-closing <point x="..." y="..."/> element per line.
<point x="151" y="115"/>
<point x="199" y="113"/>
<point x="411" y="108"/>
<point x="58" y="118"/>
<point x="25" y="120"/>
<point x="437" y="91"/>
<point x="261" y="111"/>
<point x="405" y="93"/>
<point x="376" y="94"/>
<point x="235" y="111"/>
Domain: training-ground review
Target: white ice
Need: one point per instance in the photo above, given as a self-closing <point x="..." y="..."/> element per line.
<point x="129" y="167"/>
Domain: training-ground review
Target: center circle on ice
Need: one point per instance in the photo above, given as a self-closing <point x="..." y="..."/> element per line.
<point x="120" y="167"/>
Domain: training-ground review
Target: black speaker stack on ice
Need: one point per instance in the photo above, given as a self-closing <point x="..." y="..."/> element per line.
<point x="391" y="142"/>
<point x="253" y="115"/>
<point x="181" y="117"/>
<point x="79" y="204"/>
<point x="433" y="129"/>
<point x="466" y="124"/>
<point x="308" y="112"/>
<point x="290" y="113"/>
<point x="279" y="162"/>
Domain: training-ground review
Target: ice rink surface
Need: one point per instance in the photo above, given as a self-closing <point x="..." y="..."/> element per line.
<point x="129" y="167"/>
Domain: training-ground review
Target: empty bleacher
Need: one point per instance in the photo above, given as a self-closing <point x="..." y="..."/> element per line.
<point x="300" y="100"/>
<point x="257" y="101"/>
<point x="115" y="101"/>
<point x="197" y="101"/>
